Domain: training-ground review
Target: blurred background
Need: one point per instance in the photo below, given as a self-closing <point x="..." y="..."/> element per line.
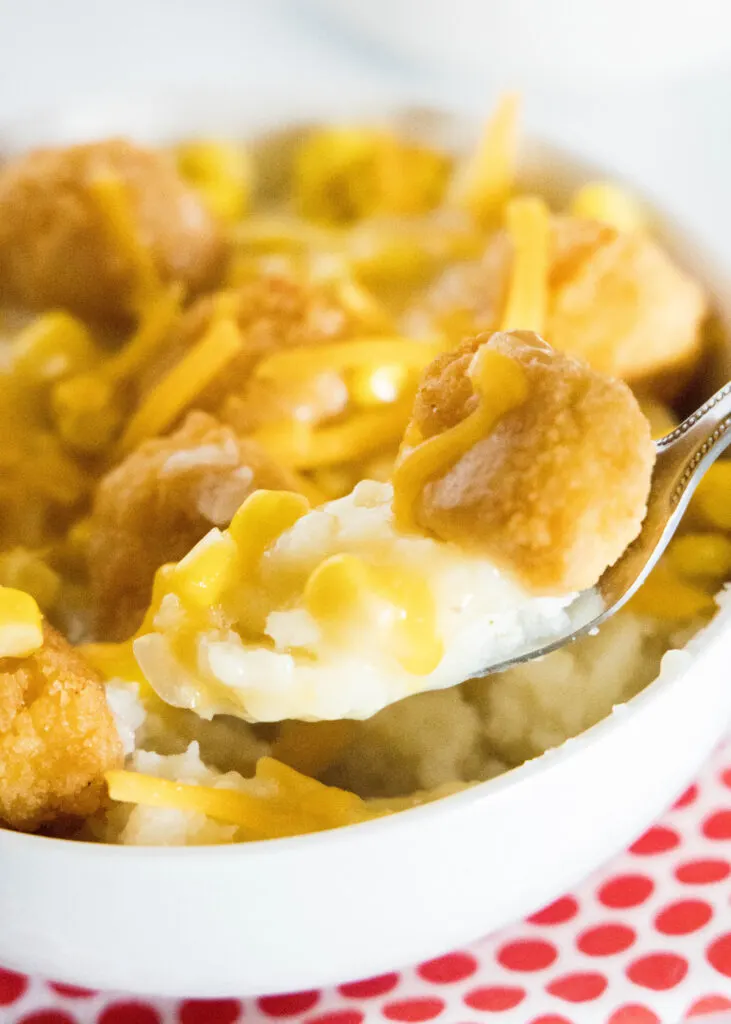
<point x="642" y="86"/>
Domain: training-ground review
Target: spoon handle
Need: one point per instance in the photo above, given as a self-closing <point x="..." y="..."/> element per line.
<point x="684" y="455"/>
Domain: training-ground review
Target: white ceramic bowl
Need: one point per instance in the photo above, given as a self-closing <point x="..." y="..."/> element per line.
<point x="299" y="913"/>
<point x="535" y="41"/>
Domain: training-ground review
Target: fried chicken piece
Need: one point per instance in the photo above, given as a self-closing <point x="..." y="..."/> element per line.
<point x="273" y="311"/>
<point x="57" y="736"/>
<point x="55" y="242"/>
<point x="558" y="489"/>
<point x="156" y="504"/>
<point x="615" y="299"/>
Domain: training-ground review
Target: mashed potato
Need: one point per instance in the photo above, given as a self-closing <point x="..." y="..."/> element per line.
<point x="446" y="615"/>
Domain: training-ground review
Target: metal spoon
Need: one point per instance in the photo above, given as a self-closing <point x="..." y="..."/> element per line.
<point x="683" y="458"/>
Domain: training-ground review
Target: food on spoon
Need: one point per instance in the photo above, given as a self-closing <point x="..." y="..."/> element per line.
<point x="528" y="471"/>
<point x="555" y="492"/>
<point x="57" y="734"/>
<point x="158" y="502"/>
<point x="96" y="229"/>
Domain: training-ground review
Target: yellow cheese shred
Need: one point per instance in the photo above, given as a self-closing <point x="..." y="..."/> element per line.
<point x="290" y="805"/>
<point x="529" y="229"/>
<point x="168" y="399"/>
<point x="113" y="200"/>
<point x="303" y="447"/>
<point x="487" y="179"/>
<point x="157" y="320"/>
<point x="357" y="353"/>
<point x="21" y="624"/>
<point x="501" y="385"/>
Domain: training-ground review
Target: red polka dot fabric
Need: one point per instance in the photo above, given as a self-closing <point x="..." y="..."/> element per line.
<point x="646" y="941"/>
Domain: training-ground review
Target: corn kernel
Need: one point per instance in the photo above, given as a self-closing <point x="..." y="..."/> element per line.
<point x="702" y="555"/>
<point x="54" y="346"/>
<point x="711" y="503"/>
<point x="21" y="624"/>
<point x="25" y="570"/>
<point x="609" y="204"/>
<point x="221" y="172"/>
<point x="261" y="519"/>
<point x="341" y="589"/>
<point x="86" y="412"/>
<point x="201" y="576"/>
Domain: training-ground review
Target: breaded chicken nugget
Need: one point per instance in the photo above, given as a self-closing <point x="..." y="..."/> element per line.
<point x="57" y="247"/>
<point x="614" y="298"/>
<point x="558" y="489"/>
<point x="156" y="504"/>
<point x="273" y="311"/>
<point x="57" y="736"/>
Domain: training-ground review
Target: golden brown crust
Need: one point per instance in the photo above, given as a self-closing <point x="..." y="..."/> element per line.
<point x="54" y="249"/>
<point x="559" y="488"/>
<point x="159" y="502"/>
<point x="57" y="736"/>
<point x="273" y="311"/>
<point x="615" y="299"/>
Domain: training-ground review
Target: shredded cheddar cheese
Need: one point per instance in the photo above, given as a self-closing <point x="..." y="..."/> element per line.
<point x="291" y="804"/>
<point x="501" y="385"/>
<point x="306" y="448"/>
<point x="168" y="399"/>
<point x="487" y="180"/>
<point x="115" y="205"/>
<point x="528" y="224"/>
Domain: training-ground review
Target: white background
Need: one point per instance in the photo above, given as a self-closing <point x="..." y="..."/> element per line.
<point x="673" y="137"/>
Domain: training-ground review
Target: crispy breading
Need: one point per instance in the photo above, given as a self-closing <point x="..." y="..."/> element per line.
<point x="57" y="736"/>
<point x="556" y="492"/>
<point x="273" y="311"/>
<point x="55" y="249"/>
<point x="156" y="504"/>
<point x="615" y="299"/>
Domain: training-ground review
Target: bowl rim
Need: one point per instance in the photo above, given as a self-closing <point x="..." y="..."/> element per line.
<point x="375" y="103"/>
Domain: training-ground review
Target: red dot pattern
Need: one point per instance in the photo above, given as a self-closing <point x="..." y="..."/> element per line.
<point x="657" y="839"/>
<point x="527" y="955"/>
<point x="579" y="987"/>
<point x="557" y="912"/>
<point x="683" y="917"/>
<point x="658" y="971"/>
<point x="606" y="939"/>
<point x="625" y="891"/>
<point x="640" y="943"/>
<point x="454" y="967"/>
<point x="718" y="825"/>
<point x="209" y="1011"/>
<point x="131" y="1012"/>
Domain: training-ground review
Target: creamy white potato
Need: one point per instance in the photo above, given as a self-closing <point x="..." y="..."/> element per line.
<point x="338" y="617"/>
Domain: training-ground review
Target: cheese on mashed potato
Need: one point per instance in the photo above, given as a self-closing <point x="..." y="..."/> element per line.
<point x="353" y="616"/>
